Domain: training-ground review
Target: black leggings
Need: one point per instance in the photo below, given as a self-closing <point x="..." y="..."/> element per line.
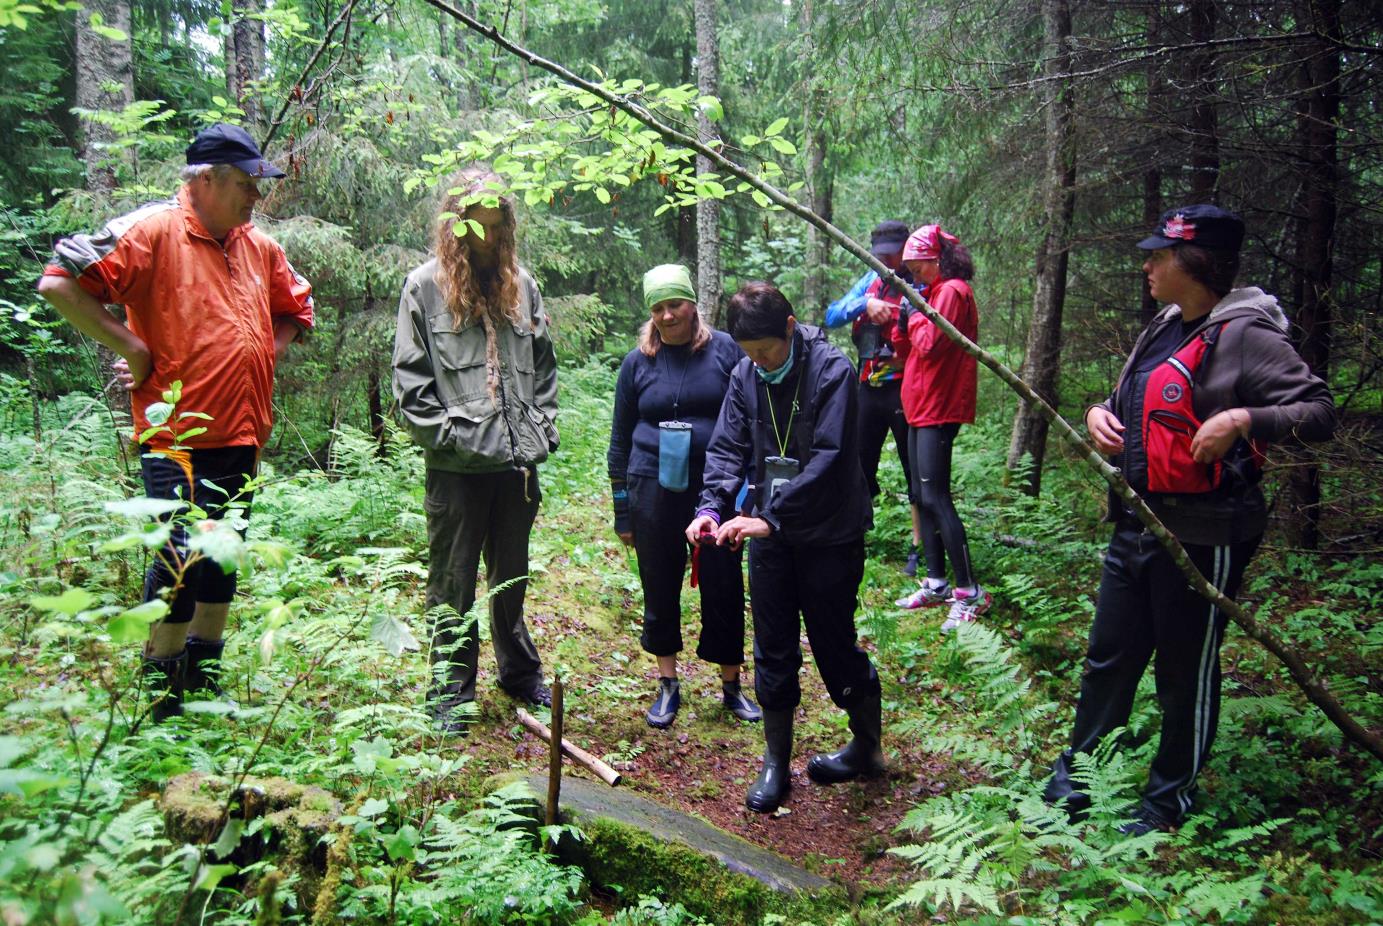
<point x="881" y="412"/>
<point x="214" y="480"/>
<point x="943" y="536"/>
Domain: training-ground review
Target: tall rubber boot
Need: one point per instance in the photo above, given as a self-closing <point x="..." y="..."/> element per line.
<point x="204" y="665"/>
<point x="771" y="787"/>
<point x="862" y="757"/>
<point x="164" y="679"/>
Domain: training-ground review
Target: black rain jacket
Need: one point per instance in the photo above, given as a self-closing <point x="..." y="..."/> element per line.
<point x="828" y="501"/>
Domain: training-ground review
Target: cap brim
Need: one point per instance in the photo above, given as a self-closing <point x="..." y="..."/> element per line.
<point x="1154" y="242"/>
<point x="260" y="169"/>
<point x="885" y="248"/>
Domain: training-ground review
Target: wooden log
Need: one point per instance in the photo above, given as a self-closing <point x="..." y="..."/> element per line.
<point x="578" y="755"/>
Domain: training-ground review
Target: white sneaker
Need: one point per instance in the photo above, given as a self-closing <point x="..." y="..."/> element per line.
<point x="925" y="597"/>
<point x="966" y="608"/>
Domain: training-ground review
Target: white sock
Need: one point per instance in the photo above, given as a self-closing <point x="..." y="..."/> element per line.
<point x="935" y="584"/>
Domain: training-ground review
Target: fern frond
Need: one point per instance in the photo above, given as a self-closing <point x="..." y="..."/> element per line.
<point x="938" y="891"/>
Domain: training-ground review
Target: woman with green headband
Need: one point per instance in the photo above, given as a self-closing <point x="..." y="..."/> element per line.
<point x="666" y="402"/>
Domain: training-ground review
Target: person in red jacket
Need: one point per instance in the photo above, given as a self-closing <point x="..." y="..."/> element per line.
<point x="211" y="302"/>
<point x="938" y="397"/>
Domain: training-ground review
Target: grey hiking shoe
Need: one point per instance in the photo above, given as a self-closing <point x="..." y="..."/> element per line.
<point x="738" y="703"/>
<point x="665" y="704"/>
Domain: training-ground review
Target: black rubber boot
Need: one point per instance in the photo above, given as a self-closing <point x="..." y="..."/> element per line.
<point x="204" y="666"/>
<point x="862" y="757"/>
<point x="771" y="787"/>
<point x="164" y="679"/>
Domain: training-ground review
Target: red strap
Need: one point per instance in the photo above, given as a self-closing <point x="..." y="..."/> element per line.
<point x="696" y="564"/>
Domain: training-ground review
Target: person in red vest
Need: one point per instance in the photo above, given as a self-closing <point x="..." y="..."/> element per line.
<point x="210" y="302"/>
<point x="939" y="382"/>
<point x="1212" y="377"/>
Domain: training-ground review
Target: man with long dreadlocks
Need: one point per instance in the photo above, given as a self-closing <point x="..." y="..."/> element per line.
<point x="475" y="377"/>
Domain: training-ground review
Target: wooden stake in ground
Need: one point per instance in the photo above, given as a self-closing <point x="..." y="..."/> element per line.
<point x="578" y="755"/>
<point x="554" y="761"/>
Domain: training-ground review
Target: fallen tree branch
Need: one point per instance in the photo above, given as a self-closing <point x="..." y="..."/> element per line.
<point x="578" y="755"/>
<point x="1312" y="686"/>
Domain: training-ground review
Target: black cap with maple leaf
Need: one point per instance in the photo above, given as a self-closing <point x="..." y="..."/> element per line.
<point x="1200" y="224"/>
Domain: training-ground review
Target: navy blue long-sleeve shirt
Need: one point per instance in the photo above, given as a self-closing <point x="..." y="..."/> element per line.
<point x="676" y="384"/>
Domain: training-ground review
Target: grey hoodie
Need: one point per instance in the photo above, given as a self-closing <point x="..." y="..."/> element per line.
<point x="1252" y="366"/>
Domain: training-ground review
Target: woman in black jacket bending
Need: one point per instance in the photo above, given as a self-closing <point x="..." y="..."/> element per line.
<point x="666" y="402"/>
<point x="789" y="421"/>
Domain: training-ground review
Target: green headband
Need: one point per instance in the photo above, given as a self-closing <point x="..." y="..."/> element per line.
<point x="667" y="281"/>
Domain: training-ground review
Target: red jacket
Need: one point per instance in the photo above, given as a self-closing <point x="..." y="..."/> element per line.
<point x="207" y="312"/>
<point x="938" y="377"/>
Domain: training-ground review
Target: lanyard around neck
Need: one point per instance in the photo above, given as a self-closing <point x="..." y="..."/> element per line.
<point x="686" y="362"/>
<point x="782" y="437"/>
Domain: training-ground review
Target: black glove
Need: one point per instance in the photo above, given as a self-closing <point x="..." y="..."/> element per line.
<point x="624" y="522"/>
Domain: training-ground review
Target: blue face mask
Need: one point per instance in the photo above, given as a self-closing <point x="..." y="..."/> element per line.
<point x="773" y="377"/>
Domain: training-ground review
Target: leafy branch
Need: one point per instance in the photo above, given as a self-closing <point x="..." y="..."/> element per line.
<point x="1313" y="686"/>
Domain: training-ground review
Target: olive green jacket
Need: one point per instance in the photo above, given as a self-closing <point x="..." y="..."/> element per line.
<point x="439" y="382"/>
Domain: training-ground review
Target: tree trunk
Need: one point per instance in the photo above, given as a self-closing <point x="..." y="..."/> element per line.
<point x="818" y="189"/>
<point x="1152" y="173"/>
<point x="708" y="279"/>
<point x="1204" y="125"/>
<point x="105" y="81"/>
<point x="1042" y="360"/>
<point x="245" y="60"/>
<point x="1317" y="137"/>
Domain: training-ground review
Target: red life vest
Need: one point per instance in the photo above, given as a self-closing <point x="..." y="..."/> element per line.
<point x="1170" y="422"/>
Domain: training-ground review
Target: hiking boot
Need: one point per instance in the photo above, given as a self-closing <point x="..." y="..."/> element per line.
<point x="451" y="717"/>
<point x="665" y="704"/>
<point x="910" y="570"/>
<point x="770" y="789"/>
<point x="862" y="757"/>
<point x="738" y="703"/>
<point x="966" y="608"/>
<point x="204" y="669"/>
<point x="538" y="696"/>
<point x="1146" y="820"/>
<point x="925" y="597"/>
<point x="165" y="679"/>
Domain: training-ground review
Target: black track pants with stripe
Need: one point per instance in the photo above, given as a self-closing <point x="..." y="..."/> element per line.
<point x="1148" y="611"/>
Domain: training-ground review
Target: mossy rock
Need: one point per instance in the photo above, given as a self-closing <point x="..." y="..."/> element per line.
<point x="645" y="848"/>
<point x="296" y="817"/>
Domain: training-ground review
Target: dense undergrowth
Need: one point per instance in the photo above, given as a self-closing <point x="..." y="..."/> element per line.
<point x="328" y="664"/>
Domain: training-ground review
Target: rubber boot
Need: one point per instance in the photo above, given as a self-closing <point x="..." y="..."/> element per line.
<point x="862" y="757"/>
<point x="771" y="787"/>
<point x="204" y="666"/>
<point x="164" y="678"/>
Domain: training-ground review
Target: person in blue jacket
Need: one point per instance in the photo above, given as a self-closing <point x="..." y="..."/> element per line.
<point x="871" y="308"/>
<point x="667" y="398"/>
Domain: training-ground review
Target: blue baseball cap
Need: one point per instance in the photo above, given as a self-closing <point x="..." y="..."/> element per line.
<point x="223" y="143"/>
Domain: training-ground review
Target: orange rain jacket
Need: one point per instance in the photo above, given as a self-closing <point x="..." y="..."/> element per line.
<point x="207" y="313"/>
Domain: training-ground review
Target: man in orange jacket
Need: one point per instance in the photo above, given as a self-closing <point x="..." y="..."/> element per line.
<point x="210" y="302"/>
